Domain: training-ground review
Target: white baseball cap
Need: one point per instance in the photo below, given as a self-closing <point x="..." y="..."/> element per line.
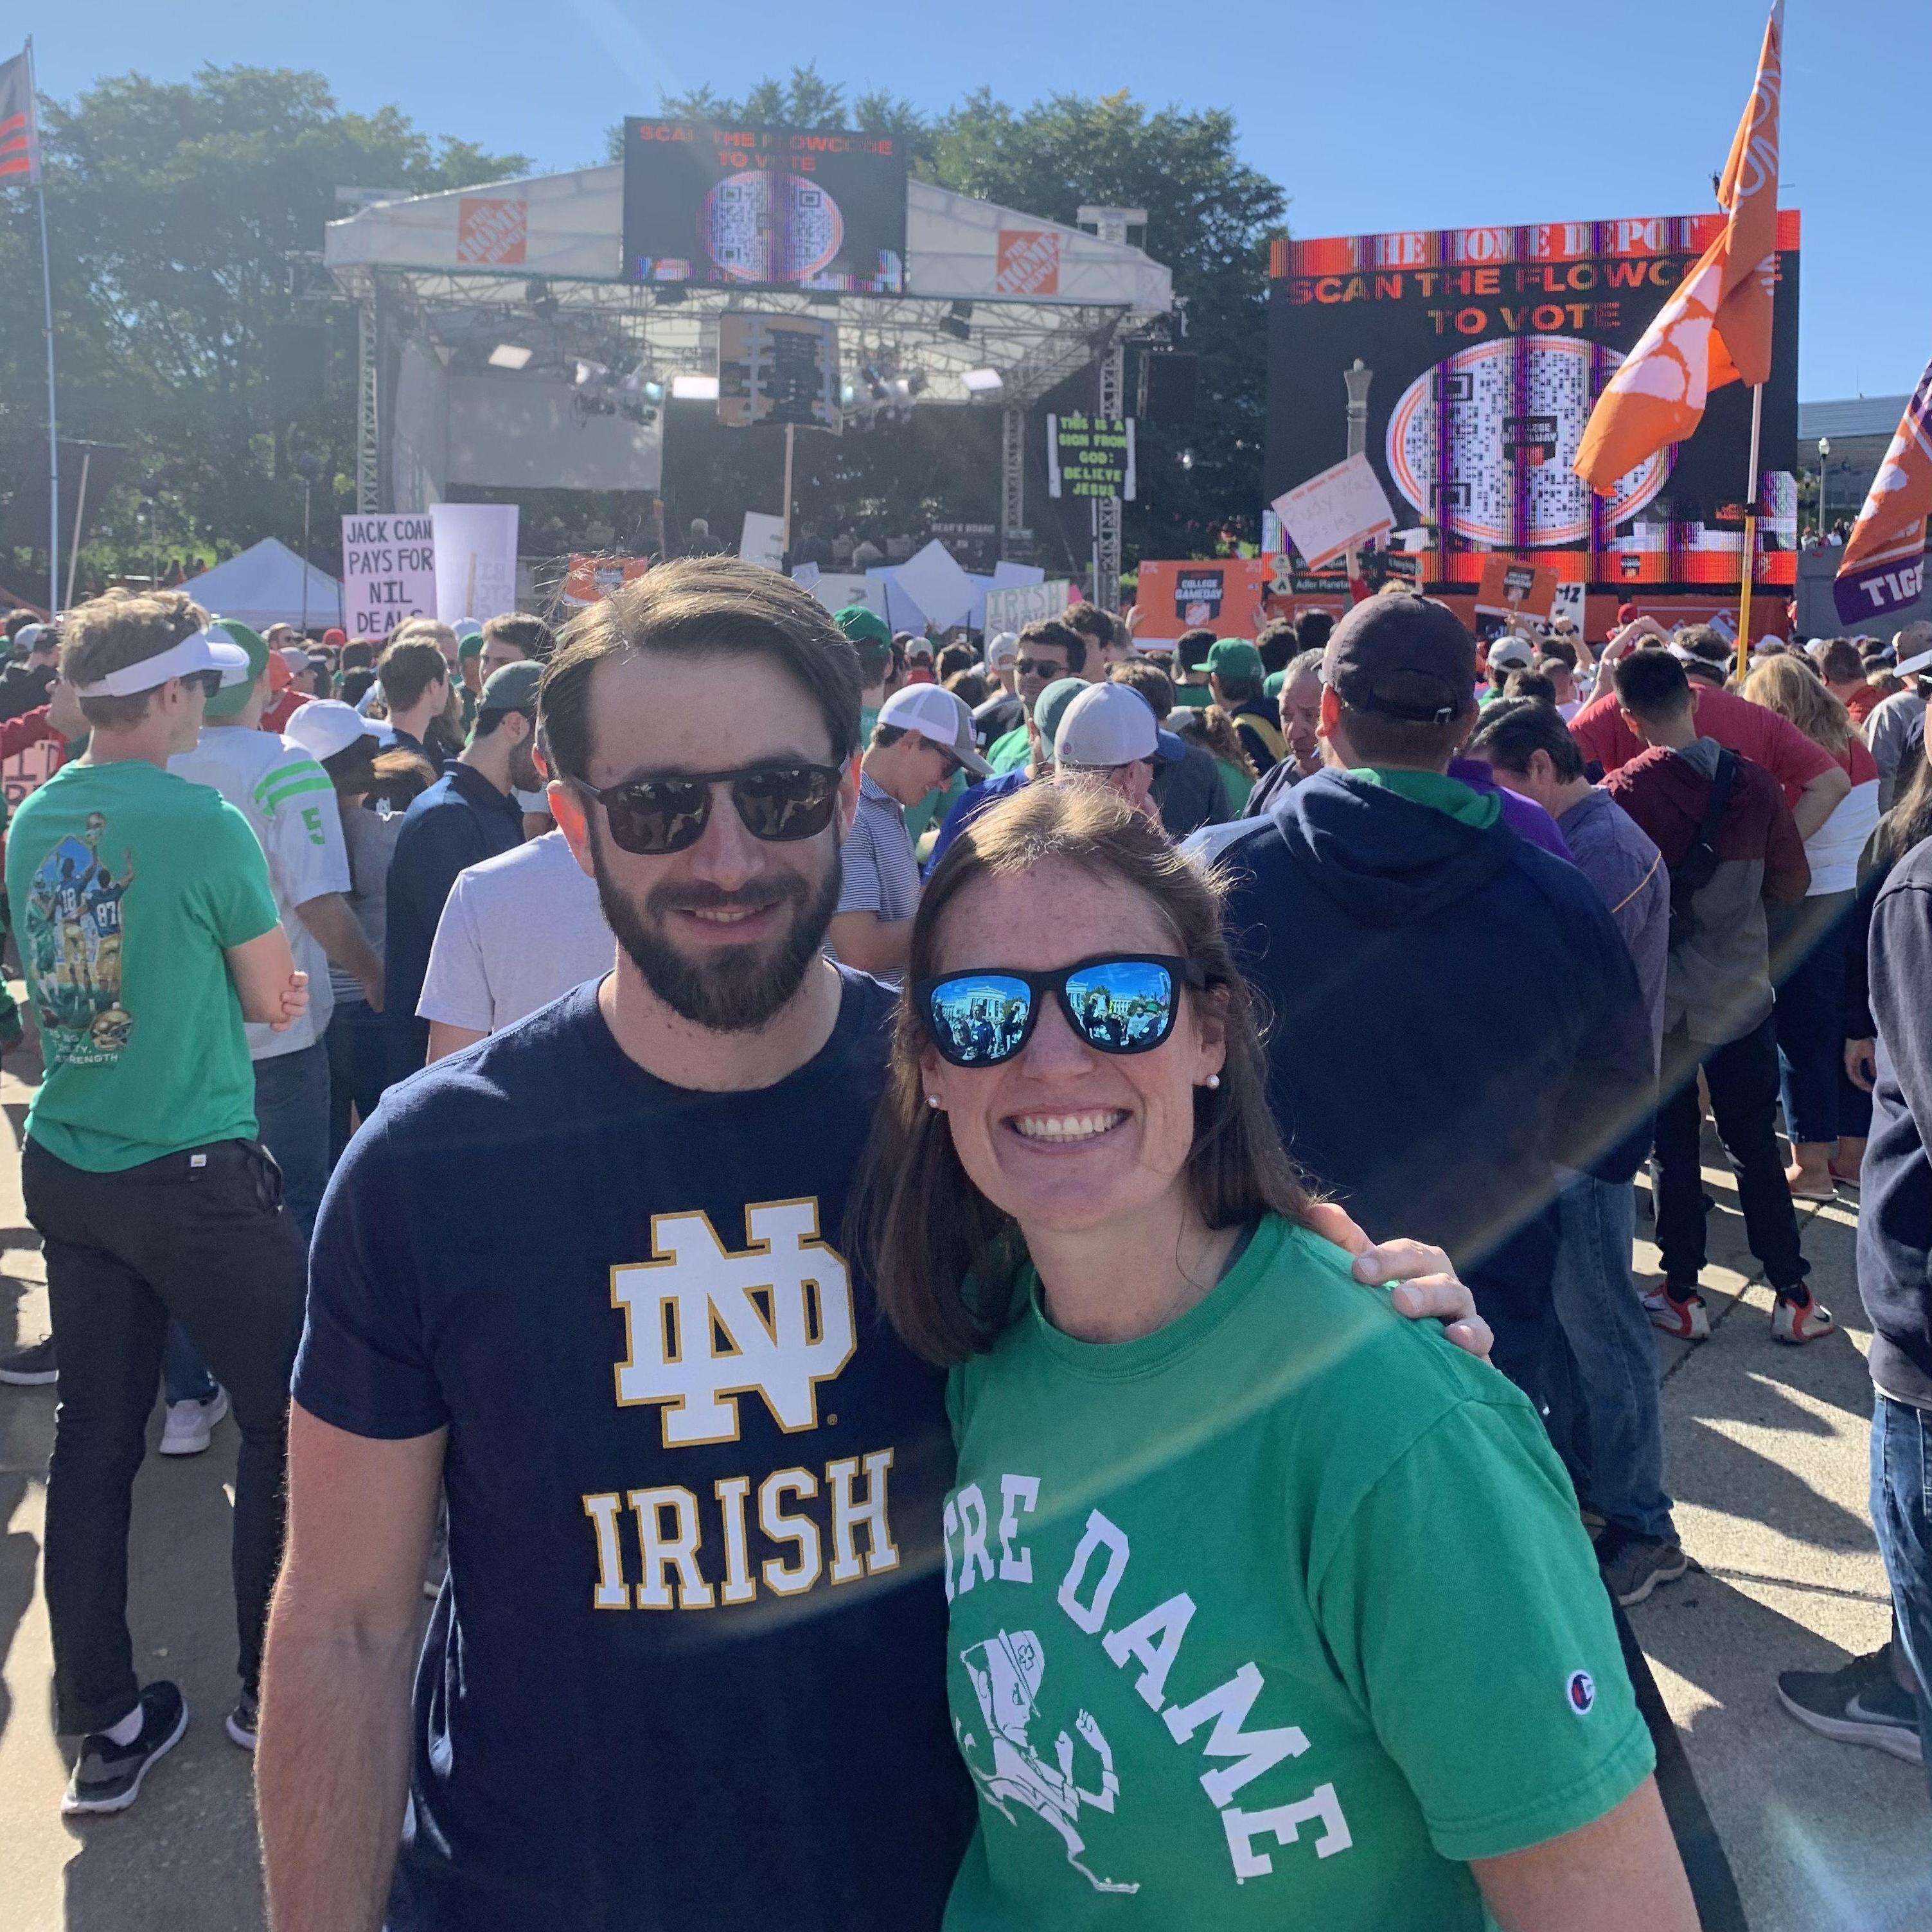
<point x="933" y="713"/>
<point x="1510" y="652"/>
<point x="1004" y="649"/>
<point x="324" y="726"/>
<point x="1112" y="725"/>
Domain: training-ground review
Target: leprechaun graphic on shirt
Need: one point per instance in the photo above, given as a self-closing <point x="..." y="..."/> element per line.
<point x="74" y="935"/>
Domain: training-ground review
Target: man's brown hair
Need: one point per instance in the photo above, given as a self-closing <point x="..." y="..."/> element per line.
<point x="406" y="669"/>
<point x="1151" y="681"/>
<point x="700" y="607"/>
<point x="119" y="629"/>
<point x="530" y="635"/>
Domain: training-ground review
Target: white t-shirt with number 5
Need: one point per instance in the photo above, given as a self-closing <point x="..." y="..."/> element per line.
<point x="288" y="799"/>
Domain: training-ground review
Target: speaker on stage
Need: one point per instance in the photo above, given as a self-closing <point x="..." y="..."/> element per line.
<point x="1170" y="378"/>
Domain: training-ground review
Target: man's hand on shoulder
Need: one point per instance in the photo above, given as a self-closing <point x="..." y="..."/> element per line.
<point x="1428" y="1288"/>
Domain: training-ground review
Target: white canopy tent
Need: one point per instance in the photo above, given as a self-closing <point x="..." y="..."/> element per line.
<point x="264" y="586"/>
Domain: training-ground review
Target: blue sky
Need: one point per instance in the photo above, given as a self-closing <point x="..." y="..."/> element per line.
<point x="1401" y="114"/>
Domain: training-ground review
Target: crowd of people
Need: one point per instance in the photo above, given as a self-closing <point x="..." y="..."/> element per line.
<point x="1019" y="1069"/>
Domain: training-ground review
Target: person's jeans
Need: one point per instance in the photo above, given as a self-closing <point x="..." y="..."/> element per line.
<point x="358" y="1062"/>
<point x="201" y="1236"/>
<point x="184" y="1376"/>
<point x="1616" y="1350"/>
<point x="1901" y="1514"/>
<point x="1809" y="1020"/>
<point x="292" y="1116"/>
<point x="1742" y="1076"/>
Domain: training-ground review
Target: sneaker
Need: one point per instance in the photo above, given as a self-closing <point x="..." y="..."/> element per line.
<point x="107" y="1776"/>
<point x="189" y="1427"/>
<point x="1686" y="1317"/>
<point x="245" y="1720"/>
<point x="1860" y="1704"/>
<point x="1632" y="1566"/>
<point x="1795" y="1320"/>
<point x="31" y="1368"/>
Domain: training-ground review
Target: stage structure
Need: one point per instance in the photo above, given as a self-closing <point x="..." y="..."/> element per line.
<point x="508" y="340"/>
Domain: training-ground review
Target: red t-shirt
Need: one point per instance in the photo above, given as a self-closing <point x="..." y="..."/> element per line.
<point x="276" y="716"/>
<point x="1863" y="702"/>
<point x="1748" y="729"/>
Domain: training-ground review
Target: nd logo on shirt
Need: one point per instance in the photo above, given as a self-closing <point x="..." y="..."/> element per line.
<point x="708" y="1328"/>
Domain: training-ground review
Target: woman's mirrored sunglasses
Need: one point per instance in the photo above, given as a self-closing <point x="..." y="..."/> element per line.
<point x="778" y="803"/>
<point x="1120" y="1003"/>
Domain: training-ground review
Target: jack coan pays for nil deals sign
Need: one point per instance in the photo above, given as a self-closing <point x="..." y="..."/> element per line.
<point x="1487" y="349"/>
<point x="389" y="573"/>
<point x="1090" y="456"/>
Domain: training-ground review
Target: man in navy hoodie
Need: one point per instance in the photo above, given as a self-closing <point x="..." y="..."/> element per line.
<point x="1390" y="916"/>
<point x="1868" y="1701"/>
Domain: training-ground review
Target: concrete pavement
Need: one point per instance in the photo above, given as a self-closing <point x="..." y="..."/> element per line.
<point x="1766" y="1450"/>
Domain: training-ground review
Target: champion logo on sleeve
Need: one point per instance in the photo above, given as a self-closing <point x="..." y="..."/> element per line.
<point x="1582" y="1692"/>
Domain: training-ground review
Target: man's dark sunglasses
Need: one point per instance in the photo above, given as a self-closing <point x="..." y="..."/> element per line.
<point x="1038" y="667"/>
<point x="210" y="681"/>
<point x="1118" y="1003"/>
<point x="778" y="803"/>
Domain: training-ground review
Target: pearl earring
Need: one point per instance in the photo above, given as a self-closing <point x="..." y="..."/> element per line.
<point x="1213" y="1080"/>
<point x="932" y="1101"/>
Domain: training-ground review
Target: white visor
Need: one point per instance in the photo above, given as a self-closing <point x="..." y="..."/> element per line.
<point x="201" y="652"/>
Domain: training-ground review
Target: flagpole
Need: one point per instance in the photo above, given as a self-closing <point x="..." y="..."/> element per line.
<point x="1750" y="536"/>
<point x="47" y="295"/>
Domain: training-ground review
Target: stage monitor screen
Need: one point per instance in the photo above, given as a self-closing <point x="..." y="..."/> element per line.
<point x="1484" y="350"/>
<point x="731" y="207"/>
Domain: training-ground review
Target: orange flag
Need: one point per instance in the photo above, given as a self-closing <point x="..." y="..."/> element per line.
<point x="1717" y="328"/>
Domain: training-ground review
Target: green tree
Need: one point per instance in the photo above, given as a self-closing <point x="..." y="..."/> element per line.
<point x="188" y="221"/>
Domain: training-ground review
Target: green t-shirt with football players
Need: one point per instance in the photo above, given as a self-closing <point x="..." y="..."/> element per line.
<point x="1275" y="1617"/>
<point x="127" y="886"/>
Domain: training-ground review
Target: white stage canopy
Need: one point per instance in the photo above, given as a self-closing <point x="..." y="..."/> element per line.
<point x="263" y="586"/>
<point x="444" y="279"/>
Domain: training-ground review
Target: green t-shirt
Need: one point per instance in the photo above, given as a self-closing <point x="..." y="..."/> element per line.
<point x="1272" y="1618"/>
<point x="128" y="885"/>
<point x="1196" y="696"/>
<point x="1009" y="753"/>
<point x="1237" y="783"/>
<point x="931" y="810"/>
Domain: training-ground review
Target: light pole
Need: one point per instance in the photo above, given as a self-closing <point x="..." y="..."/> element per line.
<point x="308" y="466"/>
<point x="1356" y="380"/>
<point x="1824" y="455"/>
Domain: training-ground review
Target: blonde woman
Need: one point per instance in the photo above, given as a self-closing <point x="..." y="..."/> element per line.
<point x="1807" y="940"/>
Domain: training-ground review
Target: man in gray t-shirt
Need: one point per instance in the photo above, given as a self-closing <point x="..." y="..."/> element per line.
<point x="924" y="734"/>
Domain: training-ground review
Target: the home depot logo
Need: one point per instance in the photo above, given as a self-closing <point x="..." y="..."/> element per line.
<point x="491" y="229"/>
<point x="1029" y="261"/>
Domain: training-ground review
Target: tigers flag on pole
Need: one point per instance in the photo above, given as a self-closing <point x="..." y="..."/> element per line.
<point x="1717" y="328"/>
<point x="19" y="138"/>
<point x="1884" y="567"/>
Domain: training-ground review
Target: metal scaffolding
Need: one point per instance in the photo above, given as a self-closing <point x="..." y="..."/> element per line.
<point x="368" y="414"/>
<point x="1012" y="476"/>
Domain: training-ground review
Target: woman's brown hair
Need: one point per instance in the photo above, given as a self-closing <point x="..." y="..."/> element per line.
<point x="944" y="1257"/>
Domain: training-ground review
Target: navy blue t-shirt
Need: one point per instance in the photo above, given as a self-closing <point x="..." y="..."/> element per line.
<point x="689" y="1669"/>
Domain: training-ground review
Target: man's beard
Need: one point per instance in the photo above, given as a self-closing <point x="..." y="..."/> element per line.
<point x="733" y="989"/>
